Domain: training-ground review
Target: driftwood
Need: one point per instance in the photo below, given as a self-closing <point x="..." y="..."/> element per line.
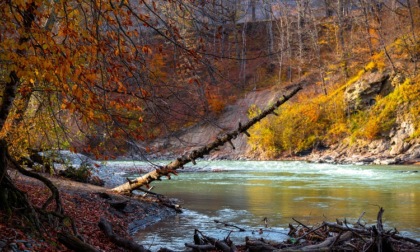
<point x="310" y="232"/>
<point x="328" y="236"/>
<point x="171" y="168"/>
<point x="342" y="237"/>
<point x="106" y="227"/>
<point x="204" y="247"/>
<point x="329" y="241"/>
<point x="165" y="250"/>
<point x="369" y="230"/>
<point x="164" y="201"/>
<point x="229" y="225"/>
<point x="74" y="243"/>
<point x="314" y="230"/>
<point x="207" y="243"/>
<point x="258" y="245"/>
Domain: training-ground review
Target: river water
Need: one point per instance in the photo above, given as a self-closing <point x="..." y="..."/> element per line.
<point x="243" y="193"/>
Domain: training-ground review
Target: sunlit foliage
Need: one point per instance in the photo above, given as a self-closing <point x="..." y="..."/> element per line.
<point x="88" y="72"/>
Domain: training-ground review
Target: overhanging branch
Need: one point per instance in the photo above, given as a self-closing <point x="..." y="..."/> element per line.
<point x="201" y="152"/>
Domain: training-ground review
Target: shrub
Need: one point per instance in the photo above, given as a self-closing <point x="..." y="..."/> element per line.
<point x="81" y="174"/>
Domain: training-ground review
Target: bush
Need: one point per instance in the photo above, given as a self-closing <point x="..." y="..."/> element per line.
<point x="81" y="174"/>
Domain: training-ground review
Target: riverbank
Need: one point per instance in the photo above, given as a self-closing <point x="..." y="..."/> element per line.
<point x="255" y="183"/>
<point x="372" y="154"/>
<point x="86" y="204"/>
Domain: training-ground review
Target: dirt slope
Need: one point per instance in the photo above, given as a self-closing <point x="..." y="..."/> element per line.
<point x="206" y="132"/>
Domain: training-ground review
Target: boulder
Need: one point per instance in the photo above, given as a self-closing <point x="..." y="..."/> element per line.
<point x="399" y="136"/>
<point x="362" y="93"/>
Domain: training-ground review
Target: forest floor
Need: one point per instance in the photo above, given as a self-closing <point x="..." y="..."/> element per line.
<point x="86" y="205"/>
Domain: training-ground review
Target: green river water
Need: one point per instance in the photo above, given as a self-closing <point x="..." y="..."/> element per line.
<point x="244" y="192"/>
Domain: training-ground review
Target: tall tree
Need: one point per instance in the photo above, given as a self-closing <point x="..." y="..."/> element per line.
<point x="80" y="72"/>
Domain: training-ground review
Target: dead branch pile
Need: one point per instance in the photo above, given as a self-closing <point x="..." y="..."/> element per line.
<point x="328" y="236"/>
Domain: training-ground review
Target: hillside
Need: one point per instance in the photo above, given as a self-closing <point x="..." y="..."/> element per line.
<point x="362" y="106"/>
<point x="399" y="144"/>
<point x="207" y="131"/>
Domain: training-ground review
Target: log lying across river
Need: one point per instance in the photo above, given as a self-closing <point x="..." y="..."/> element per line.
<point x="166" y="171"/>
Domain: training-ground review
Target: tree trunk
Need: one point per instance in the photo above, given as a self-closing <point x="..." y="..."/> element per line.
<point x="10" y="195"/>
<point x="146" y="179"/>
<point x="253" y="10"/>
<point x="269" y="17"/>
<point x="340" y="37"/>
<point x="13" y="200"/>
<point x="74" y="243"/>
<point x="130" y="245"/>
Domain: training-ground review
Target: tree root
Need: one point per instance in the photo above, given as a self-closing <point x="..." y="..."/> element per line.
<point x="11" y="198"/>
<point x="55" y="194"/>
<point x="106" y="227"/>
<point x="74" y="243"/>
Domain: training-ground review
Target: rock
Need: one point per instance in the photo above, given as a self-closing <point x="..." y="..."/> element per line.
<point x="397" y="79"/>
<point x="400" y="147"/>
<point x="362" y="93"/>
<point x="95" y="180"/>
<point x="378" y="146"/>
<point x="389" y="161"/>
<point x="327" y="159"/>
<point x="399" y="136"/>
<point x="411" y="162"/>
<point x="367" y="160"/>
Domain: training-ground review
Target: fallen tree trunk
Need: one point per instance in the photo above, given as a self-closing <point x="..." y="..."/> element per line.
<point x="156" y="174"/>
<point x="204" y="247"/>
<point x="74" y="243"/>
<point x="258" y="245"/>
<point x="328" y="242"/>
<point x="106" y="227"/>
<point x="210" y="243"/>
<point x="229" y="225"/>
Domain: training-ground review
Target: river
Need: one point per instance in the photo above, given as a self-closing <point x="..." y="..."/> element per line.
<point x="245" y="192"/>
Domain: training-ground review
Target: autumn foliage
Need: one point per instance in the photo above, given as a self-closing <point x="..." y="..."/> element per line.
<point x="89" y="69"/>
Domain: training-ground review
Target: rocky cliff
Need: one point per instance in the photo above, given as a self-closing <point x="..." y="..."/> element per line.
<point x="396" y="147"/>
<point x="207" y="131"/>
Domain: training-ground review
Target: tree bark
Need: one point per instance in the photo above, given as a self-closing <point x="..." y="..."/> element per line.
<point x="10" y="195"/>
<point x="9" y="93"/>
<point x="106" y="227"/>
<point x="74" y="243"/>
<point x="205" y="247"/>
<point x="11" y="198"/>
<point x="156" y="174"/>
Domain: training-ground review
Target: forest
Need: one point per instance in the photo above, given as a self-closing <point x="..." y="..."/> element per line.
<point x="110" y="79"/>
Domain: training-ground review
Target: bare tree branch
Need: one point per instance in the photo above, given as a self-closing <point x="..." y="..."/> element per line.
<point x="156" y="174"/>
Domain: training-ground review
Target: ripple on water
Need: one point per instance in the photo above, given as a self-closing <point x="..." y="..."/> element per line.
<point x="242" y="192"/>
<point x="179" y="230"/>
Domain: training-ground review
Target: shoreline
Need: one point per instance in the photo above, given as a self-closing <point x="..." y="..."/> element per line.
<point x="73" y="192"/>
<point x="316" y="157"/>
<point x="86" y="204"/>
